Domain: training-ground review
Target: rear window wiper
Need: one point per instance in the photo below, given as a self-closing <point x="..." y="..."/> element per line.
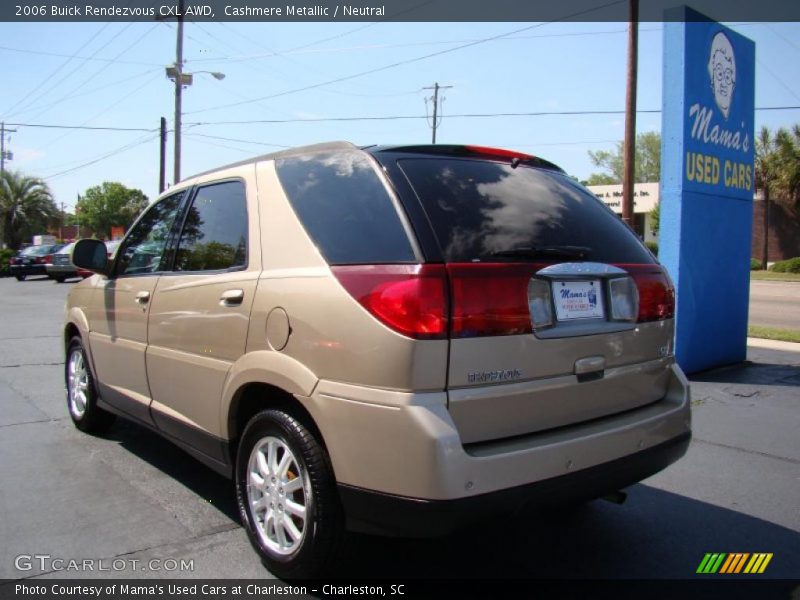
<point x="577" y="252"/>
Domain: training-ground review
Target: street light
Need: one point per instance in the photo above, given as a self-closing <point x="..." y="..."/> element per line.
<point x="175" y="73"/>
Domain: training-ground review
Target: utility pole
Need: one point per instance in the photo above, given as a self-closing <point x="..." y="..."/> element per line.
<point x="629" y="151"/>
<point x="435" y="87"/>
<point x="162" y="168"/>
<point x="178" y="92"/>
<point x="4" y="154"/>
<point x="61" y="224"/>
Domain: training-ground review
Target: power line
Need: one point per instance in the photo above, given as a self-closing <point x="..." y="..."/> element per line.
<point x="450" y="116"/>
<point x="119" y="150"/>
<point x="87" y="127"/>
<point x="50" y="76"/>
<point x="405" y="62"/>
<point x="245" y="58"/>
<point x="84" y="58"/>
<point x="365" y="118"/>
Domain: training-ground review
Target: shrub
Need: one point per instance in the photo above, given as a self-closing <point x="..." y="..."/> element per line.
<point x="5" y="256"/>
<point x="791" y="265"/>
<point x="653" y="247"/>
<point x="755" y="264"/>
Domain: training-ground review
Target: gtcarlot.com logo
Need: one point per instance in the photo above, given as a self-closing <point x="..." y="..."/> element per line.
<point x="734" y="563"/>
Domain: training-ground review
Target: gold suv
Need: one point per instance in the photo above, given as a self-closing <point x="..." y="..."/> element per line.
<point x="387" y="339"/>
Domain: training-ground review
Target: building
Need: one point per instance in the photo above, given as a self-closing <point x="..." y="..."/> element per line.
<point x="645" y="198"/>
<point x="784" y="221"/>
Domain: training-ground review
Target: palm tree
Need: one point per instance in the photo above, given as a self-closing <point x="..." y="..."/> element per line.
<point x="787" y="148"/>
<point x="26" y="205"/>
<point x="766" y="163"/>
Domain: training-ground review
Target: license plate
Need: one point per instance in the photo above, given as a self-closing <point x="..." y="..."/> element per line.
<point x="578" y="300"/>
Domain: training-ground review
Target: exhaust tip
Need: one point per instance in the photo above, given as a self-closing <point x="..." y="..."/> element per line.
<point x="617" y="497"/>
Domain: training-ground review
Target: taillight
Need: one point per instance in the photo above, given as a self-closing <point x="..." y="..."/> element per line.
<point x="410" y="299"/>
<point x="656" y="293"/>
<point x="12" y="261"/>
<point x="490" y="299"/>
<point x="44" y="259"/>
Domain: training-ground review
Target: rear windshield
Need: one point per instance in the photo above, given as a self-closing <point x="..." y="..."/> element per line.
<point x="38" y="250"/>
<point x="345" y="208"/>
<point x="489" y="211"/>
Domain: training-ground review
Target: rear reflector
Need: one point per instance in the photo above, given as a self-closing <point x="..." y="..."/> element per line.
<point x="490" y="298"/>
<point x="656" y="293"/>
<point x="410" y="299"/>
<point x="465" y="300"/>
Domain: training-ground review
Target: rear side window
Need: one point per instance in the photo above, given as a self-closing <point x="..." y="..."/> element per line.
<point x="488" y="211"/>
<point x="345" y="208"/>
<point x="214" y="234"/>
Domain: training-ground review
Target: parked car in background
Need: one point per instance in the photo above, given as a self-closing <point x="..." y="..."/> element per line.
<point x="397" y="340"/>
<point x="33" y="260"/>
<point x="62" y="268"/>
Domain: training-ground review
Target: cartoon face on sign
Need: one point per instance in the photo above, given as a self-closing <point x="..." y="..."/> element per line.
<point x="722" y="71"/>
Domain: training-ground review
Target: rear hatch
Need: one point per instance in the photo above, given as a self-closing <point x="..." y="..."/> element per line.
<point x="557" y="312"/>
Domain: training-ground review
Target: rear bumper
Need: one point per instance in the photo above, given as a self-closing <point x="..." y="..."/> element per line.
<point x="66" y="270"/>
<point x="373" y="512"/>
<point x="403" y="451"/>
<point x="40" y="269"/>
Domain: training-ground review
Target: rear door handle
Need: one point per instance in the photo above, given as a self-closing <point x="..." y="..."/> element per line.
<point x="231" y="297"/>
<point x="143" y="297"/>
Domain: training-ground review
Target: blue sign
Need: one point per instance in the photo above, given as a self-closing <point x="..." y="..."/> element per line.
<point x="707" y="186"/>
<point x="718" y="119"/>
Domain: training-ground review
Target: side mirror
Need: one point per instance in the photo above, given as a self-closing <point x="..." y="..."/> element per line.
<point x="91" y="255"/>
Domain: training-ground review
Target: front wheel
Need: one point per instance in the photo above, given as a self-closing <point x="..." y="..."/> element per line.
<point x="287" y="496"/>
<point x="20" y="277"/>
<point x="81" y="393"/>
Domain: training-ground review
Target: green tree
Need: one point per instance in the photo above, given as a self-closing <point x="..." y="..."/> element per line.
<point x="655" y="218"/>
<point x="646" y="163"/>
<point x="110" y="204"/>
<point x="26" y="207"/>
<point x="787" y="168"/>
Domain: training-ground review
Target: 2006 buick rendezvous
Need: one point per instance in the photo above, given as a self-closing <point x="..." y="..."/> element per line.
<point x="390" y="339"/>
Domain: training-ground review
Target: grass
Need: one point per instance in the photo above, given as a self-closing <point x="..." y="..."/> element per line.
<point x="772" y="276"/>
<point x="773" y="333"/>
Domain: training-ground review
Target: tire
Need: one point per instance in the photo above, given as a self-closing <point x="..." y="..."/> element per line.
<point x="296" y="528"/>
<point x="81" y="392"/>
<point x="59" y="279"/>
<point x="20" y="277"/>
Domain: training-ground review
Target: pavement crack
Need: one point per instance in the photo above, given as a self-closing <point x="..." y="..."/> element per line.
<point x="793" y="461"/>
<point x="32" y="422"/>
<point x="50" y="364"/>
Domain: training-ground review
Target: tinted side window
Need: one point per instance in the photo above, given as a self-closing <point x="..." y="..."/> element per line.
<point x="483" y="211"/>
<point x="345" y="208"/>
<point x="214" y="235"/>
<point x="143" y="249"/>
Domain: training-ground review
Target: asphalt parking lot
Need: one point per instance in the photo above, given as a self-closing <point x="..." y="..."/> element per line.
<point x="130" y="495"/>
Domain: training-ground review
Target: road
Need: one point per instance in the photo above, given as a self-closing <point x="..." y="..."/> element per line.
<point x="775" y="304"/>
<point x="129" y="495"/>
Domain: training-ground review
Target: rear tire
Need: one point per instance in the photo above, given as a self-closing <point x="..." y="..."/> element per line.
<point x="287" y="496"/>
<point x="59" y="279"/>
<point x="81" y="392"/>
<point x="20" y="277"/>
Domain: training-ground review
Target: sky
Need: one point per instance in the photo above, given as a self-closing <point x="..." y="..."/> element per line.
<point x="113" y="75"/>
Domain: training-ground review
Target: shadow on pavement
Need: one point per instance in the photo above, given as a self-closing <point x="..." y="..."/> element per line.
<point x="171" y="460"/>
<point x="751" y="373"/>
<point x="655" y="534"/>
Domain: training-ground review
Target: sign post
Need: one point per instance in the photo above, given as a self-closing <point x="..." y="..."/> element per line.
<point x="707" y="186"/>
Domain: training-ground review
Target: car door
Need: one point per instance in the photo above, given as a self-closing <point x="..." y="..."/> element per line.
<point x="119" y="317"/>
<point x="200" y="313"/>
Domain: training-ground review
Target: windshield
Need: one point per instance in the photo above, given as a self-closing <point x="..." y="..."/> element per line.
<point x="486" y="211"/>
